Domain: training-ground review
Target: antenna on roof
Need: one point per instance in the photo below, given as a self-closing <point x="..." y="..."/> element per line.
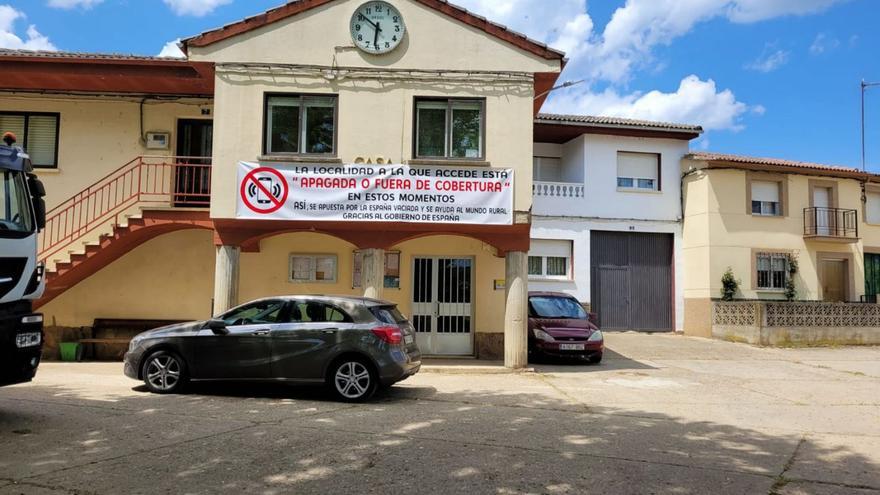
<point x="865" y="85"/>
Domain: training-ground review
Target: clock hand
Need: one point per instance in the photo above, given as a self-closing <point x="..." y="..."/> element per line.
<point x="376" y="38"/>
<point x="375" y="26"/>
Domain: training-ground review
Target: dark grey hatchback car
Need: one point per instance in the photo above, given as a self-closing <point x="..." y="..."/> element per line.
<point x="353" y="345"/>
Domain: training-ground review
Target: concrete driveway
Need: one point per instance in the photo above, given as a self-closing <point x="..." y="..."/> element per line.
<point x="662" y="414"/>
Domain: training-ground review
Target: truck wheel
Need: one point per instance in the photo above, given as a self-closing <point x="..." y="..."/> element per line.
<point x="165" y="372"/>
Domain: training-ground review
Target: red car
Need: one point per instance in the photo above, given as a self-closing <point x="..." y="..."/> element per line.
<point x="560" y="327"/>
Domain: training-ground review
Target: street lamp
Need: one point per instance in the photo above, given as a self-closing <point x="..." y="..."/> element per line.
<point x="566" y="84"/>
<point x="865" y="85"/>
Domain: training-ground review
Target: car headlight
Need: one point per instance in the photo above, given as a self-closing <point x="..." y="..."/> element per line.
<point x="542" y="335"/>
<point x="596" y="336"/>
<point x="134" y="342"/>
<point x="28" y="339"/>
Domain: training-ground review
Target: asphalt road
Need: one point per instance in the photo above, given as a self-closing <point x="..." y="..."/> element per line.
<point x="662" y="414"/>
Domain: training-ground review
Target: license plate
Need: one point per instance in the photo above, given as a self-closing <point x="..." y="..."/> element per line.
<point x="571" y="347"/>
<point x="408" y="339"/>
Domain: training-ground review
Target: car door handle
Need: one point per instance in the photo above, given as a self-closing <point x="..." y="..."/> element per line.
<point x="328" y="330"/>
<point x="261" y="332"/>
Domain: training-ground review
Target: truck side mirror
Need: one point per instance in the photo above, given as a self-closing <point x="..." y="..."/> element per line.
<point x="38" y="191"/>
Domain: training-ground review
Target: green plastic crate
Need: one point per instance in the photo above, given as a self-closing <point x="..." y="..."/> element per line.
<point x="70" y="351"/>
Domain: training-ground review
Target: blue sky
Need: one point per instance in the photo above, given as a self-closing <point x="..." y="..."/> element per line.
<point x="773" y="78"/>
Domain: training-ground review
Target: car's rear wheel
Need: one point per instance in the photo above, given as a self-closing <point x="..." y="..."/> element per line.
<point x="165" y="372"/>
<point x="352" y="380"/>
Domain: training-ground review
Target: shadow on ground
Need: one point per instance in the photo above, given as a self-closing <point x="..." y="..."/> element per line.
<point x="268" y="439"/>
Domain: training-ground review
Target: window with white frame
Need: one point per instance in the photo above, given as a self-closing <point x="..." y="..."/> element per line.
<point x="765" y="198"/>
<point x="298" y="124"/>
<point x="872" y="207"/>
<point x="392" y="270"/>
<point x="308" y="268"/>
<point x="37" y="133"/>
<point x="447" y="128"/>
<point x="771" y="270"/>
<point x="550" y="259"/>
<point x="638" y="171"/>
<point x="547" y="169"/>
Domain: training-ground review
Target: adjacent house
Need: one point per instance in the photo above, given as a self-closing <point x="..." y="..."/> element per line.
<point x="606" y="220"/>
<point x="779" y="225"/>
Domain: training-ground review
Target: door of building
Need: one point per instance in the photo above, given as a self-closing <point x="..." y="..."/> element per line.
<point x="192" y="177"/>
<point x="442" y="307"/>
<point x="824" y="216"/>
<point x="833" y="280"/>
<point x="631" y="280"/>
<point x="872" y="277"/>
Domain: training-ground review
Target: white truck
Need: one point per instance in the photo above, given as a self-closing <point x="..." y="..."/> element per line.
<point x="22" y="216"/>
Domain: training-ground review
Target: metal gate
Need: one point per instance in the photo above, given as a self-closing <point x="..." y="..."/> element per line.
<point x="443" y="305"/>
<point x="631" y="280"/>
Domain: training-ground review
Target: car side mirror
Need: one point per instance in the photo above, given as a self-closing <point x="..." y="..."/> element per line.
<point x="217" y="326"/>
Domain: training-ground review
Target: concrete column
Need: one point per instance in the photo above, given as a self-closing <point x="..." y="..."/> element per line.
<point x="516" y="342"/>
<point x="373" y="272"/>
<point x="226" y="267"/>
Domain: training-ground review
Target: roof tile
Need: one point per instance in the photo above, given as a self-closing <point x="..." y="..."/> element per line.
<point x="775" y="162"/>
<point x="603" y="121"/>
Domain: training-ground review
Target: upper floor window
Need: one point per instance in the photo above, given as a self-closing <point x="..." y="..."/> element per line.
<point x="638" y="171"/>
<point x="37" y="133"/>
<point x="766" y="198"/>
<point x="547" y="169"/>
<point x="300" y="124"/>
<point x="447" y="128"/>
<point x="872" y="207"/>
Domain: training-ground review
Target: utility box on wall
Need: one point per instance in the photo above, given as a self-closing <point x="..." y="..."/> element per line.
<point x="158" y="140"/>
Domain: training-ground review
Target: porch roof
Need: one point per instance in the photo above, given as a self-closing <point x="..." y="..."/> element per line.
<point x="59" y="72"/>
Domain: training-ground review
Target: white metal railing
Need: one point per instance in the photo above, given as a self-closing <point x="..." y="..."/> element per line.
<point x="558" y="189"/>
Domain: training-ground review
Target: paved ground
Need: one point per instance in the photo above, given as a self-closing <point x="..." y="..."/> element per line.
<point x="662" y="414"/>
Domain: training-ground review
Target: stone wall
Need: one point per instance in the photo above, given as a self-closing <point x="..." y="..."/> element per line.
<point x="796" y="323"/>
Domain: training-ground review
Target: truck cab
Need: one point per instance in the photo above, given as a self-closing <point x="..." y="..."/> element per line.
<point x="22" y="216"/>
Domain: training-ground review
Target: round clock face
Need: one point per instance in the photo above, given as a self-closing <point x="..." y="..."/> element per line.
<point x="377" y="27"/>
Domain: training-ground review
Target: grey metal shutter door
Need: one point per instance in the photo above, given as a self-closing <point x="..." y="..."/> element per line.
<point x="631" y="282"/>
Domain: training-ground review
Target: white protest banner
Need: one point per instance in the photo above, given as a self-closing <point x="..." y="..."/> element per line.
<point x="375" y="193"/>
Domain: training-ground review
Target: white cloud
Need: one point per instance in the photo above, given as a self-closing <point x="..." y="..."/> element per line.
<point x="172" y="49"/>
<point x="695" y="101"/>
<point x="8" y="39"/>
<point x="761" y="10"/>
<point x="823" y="44"/>
<point x="197" y="8"/>
<point x="607" y="58"/>
<point x="770" y="60"/>
<point x="72" y="4"/>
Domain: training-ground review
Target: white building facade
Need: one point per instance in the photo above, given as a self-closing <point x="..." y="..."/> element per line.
<point x="606" y="220"/>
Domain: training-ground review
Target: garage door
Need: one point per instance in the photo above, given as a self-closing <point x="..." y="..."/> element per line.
<point x="631" y="280"/>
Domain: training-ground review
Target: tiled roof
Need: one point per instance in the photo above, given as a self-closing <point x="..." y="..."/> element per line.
<point x="772" y="162"/>
<point x="592" y="120"/>
<point x="81" y="55"/>
<point x="298" y="6"/>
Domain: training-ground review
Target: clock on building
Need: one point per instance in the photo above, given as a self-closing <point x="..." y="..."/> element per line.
<point x="377" y="27"/>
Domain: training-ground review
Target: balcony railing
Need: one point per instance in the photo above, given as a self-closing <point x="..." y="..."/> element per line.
<point x="831" y="223"/>
<point x="145" y="181"/>
<point x="558" y="189"/>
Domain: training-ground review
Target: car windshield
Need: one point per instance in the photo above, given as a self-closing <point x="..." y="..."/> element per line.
<point x="15" y="208"/>
<point x="556" y="307"/>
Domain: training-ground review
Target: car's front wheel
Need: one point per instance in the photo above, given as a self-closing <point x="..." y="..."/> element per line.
<point x="165" y="372"/>
<point x="352" y="380"/>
